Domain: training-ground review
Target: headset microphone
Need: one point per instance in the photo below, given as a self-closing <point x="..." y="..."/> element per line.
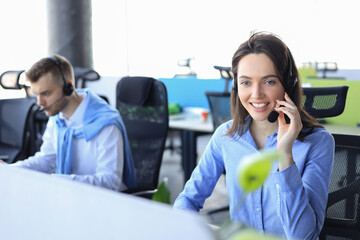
<point x="49" y="106"/>
<point x="273" y="116"/>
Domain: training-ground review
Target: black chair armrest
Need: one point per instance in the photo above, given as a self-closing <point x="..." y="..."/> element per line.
<point x="4" y="157"/>
<point x="338" y="196"/>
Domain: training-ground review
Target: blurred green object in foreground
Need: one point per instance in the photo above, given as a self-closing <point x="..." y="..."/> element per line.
<point x="250" y="234"/>
<point x="239" y="231"/>
<point x="254" y="169"/>
<point x="174" y="108"/>
<point x="163" y="193"/>
<point x="251" y="174"/>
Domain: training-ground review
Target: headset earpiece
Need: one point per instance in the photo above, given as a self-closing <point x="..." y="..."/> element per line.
<point x="292" y="80"/>
<point x="234" y="85"/>
<point x="68" y="88"/>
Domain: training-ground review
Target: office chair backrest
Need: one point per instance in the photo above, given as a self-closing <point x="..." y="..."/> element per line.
<point x="322" y="102"/>
<point x="343" y="207"/>
<point x="83" y="75"/>
<point x="219" y="103"/>
<point x="14" y="131"/>
<point x="142" y="103"/>
<point x="37" y="124"/>
<point x="225" y="73"/>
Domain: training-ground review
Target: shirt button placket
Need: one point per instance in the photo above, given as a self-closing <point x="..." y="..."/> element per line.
<point x="258" y="210"/>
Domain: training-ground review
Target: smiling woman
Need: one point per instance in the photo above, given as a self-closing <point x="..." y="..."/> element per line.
<point x="292" y="200"/>
<point x="258" y="85"/>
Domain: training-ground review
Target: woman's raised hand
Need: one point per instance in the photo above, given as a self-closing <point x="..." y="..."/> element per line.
<point x="287" y="133"/>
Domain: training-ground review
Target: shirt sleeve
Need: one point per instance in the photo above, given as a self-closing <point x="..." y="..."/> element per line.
<point x="109" y="161"/>
<point x="302" y="197"/>
<point x="45" y="159"/>
<point x="203" y="179"/>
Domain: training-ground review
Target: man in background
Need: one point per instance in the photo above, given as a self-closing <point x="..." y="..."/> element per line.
<point x="85" y="139"/>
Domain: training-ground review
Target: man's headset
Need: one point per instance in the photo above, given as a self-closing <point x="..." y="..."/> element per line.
<point x="67" y="88"/>
<point x="289" y="87"/>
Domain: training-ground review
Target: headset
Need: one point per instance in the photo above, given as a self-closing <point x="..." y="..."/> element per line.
<point x="68" y="88"/>
<point x="292" y="80"/>
<point x="289" y="88"/>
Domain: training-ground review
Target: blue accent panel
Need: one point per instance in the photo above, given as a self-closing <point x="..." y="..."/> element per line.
<point x="190" y="91"/>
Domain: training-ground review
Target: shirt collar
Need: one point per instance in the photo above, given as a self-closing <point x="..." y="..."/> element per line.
<point x="247" y="135"/>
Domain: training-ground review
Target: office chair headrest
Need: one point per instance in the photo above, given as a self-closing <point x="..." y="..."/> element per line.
<point x="134" y="90"/>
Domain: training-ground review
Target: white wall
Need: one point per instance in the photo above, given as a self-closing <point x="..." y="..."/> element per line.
<point x="151" y="36"/>
<point x="142" y="37"/>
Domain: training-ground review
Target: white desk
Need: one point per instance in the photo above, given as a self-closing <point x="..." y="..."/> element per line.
<point x="34" y="205"/>
<point x="346" y="130"/>
<point x="191" y="122"/>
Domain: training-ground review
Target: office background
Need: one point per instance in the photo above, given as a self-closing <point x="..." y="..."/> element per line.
<point x="141" y="37"/>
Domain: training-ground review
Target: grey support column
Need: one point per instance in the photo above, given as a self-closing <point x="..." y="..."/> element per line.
<point x="70" y="30"/>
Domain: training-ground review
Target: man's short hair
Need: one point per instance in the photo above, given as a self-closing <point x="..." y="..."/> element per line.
<point x="46" y="65"/>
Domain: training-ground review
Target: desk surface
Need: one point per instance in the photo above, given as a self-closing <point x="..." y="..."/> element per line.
<point x="193" y="122"/>
<point x="338" y="129"/>
<point x="61" y="209"/>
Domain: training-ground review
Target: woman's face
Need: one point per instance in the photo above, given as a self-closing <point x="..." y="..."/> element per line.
<point x="258" y="85"/>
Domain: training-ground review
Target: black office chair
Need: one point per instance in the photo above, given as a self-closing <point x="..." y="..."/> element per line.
<point x="343" y="208"/>
<point x="37" y="125"/>
<point x="36" y="121"/>
<point x="83" y="75"/>
<point x="322" y="102"/>
<point x="219" y="103"/>
<point x="14" y="129"/>
<point x="225" y="73"/>
<point x="142" y="103"/>
<point x="15" y="115"/>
